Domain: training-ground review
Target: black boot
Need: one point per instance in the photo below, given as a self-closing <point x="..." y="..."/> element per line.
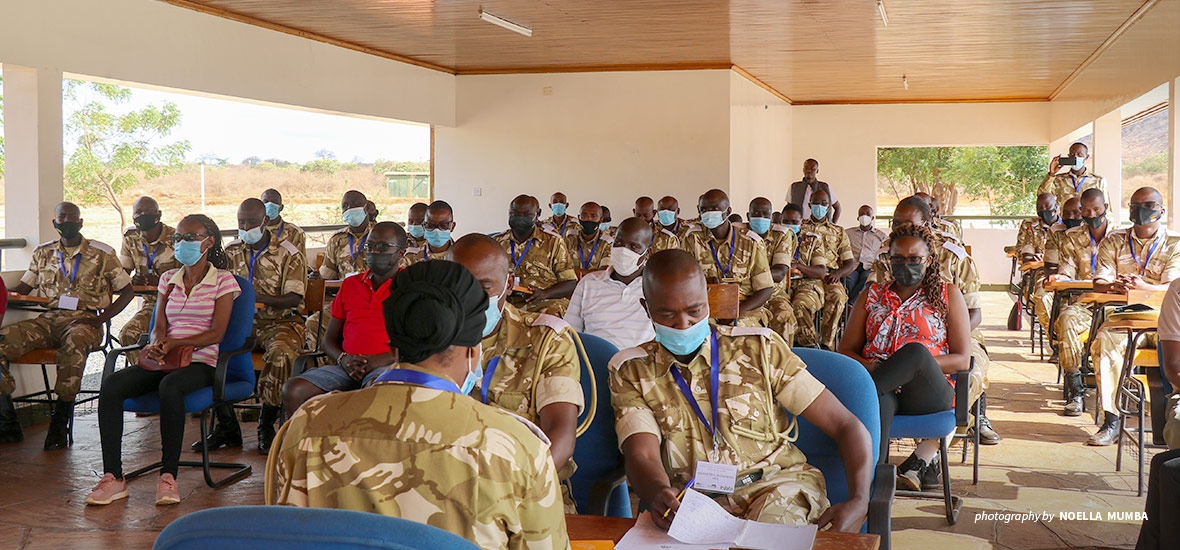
<point x="987" y="435"/>
<point x="266" y="427"/>
<point x="931" y="478"/>
<point x="1108" y="433"/>
<point x="226" y="431"/>
<point x="59" y="436"/>
<point x="10" y="431"/>
<point x="910" y="472"/>
<point x="1075" y="394"/>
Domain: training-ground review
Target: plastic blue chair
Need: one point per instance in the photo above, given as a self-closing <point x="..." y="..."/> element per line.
<point x="852" y="385"/>
<point x="599" y="484"/>
<point x="233" y="382"/>
<point x="291" y="528"/>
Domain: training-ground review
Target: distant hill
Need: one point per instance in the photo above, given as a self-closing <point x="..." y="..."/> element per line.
<point x="1146" y="137"/>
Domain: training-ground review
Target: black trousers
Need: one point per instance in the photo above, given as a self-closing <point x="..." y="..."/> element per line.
<point x="134" y="381"/>
<point x="924" y="389"/>
<point x="856" y="281"/>
<point x="1161" y="529"/>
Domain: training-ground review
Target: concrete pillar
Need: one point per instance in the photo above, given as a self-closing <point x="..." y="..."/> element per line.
<point x="1174" y="152"/>
<point x="1107" y="159"/>
<point x="33" y="158"/>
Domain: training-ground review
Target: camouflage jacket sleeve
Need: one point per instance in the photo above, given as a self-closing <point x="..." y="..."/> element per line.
<point x="1107" y="265"/>
<point x="125" y="259"/>
<point x="1046" y="185"/>
<point x="1172" y="266"/>
<point x="843" y="247"/>
<point x="793" y="387"/>
<point x="1025" y="240"/>
<point x="563" y="262"/>
<point x="632" y="415"/>
<point x="784" y="250"/>
<point x="114" y="273"/>
<point x="1067" y="258"/>
<point x="561" y="373"/>
<point x="759" y="275"/>
<point x="329" y="270"/>
<point x="542" y="511"/>
<point x="295" y="275"/>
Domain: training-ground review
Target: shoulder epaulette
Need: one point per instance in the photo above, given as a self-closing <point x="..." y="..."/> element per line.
<point x="605" y="237"/>
<point x="780" y="227"/>
<point x="551" y="232"/>
<point x="751" y="234"/>
<point x="750" y="331"/>
<point x="289" y="247"/>
<point x="234" y="242"/>
<point x="956" y="249"/>
<point x="46" y="243"/>
<point x="624" y="356"/>
<point x="546" y="320"/>
<point x="127" y="232"/>
<point x="102" y="246"/>
<point x="669" y="233"/>
<point x="692" y="229"/>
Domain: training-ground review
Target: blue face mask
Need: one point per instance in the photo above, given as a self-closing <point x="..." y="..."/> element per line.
<point x="819" y="211"/>
<point x="683" y="341"/>
<point x="712" y="219"/>
<point x="272" y="210"/>
<point x="470" y="380"/>
<point x="415" y="231"/>
<point x="604" y="226"/>
<point x="251" y="236"/>
<point x="438" y="237"/>
<point x="492" y="314"/>
<point x="760" y="225"/>
<point x="356" y="217"/>
<point x="188" y="252"/>
<point x="558" y="209"/>
<point x="667" y="217"/>
<point x="794" y="228"/>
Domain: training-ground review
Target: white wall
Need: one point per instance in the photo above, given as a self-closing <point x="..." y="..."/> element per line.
<point x="759" y="144"/>
<point x="607" y="137"/>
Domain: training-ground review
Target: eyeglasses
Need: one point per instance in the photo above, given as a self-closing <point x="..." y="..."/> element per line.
<point x="444" y="226"/>
<point x="1150" y="205"/>
<point x="380" y="248"/>
<point x="190" y="237"/>
<point x="912" y="260"/>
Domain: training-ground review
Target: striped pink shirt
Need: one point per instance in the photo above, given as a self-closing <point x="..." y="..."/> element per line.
<point x="192" y="314"/>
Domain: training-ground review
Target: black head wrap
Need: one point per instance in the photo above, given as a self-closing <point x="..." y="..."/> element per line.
<point x="432" y="306"/>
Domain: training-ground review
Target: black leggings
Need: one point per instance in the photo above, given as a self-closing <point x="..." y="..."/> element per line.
<point x="1163" y="502"/>
<point x="134" y="381"/>
<point x="924" y="389"/>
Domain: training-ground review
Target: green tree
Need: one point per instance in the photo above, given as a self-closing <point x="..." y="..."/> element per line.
<point x="1006" y="177"/>
<point x="113" y="151"/>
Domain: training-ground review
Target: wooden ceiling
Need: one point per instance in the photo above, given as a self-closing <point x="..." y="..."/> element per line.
<point x="810" y="51"/>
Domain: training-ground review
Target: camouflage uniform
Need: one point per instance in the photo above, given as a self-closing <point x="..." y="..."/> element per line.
<point x="538" y="366"/>
<point x="98" y="275"/>
<point x="421" y="254"/>
<point x="663" y="239"/>
<point x="824" y="244"/>
<point x="759" y="378"/>
<point x="1033" y="238"/>
<point x="1076" y="258"/>
<point x="567" y="228"/>
<point x="425" y="455"/>
<point x="948" y="229"/>
<point x="781" y="244"/>
<point x="291" y="233"/>
<point x="748" y="266"/>
<point x="344" y="254"/>
<point x="279" y="269"/>
<point x="133" y="256"/>
<point x="1115" y="257"/>
<point x="415" y="242"/>
<point x="584" y="254"/>
<point x="546" y="263"/>
<point x="1066" y="186"/>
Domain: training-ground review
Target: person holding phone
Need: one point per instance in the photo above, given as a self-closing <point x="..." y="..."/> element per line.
<point x="1075" y="179"/>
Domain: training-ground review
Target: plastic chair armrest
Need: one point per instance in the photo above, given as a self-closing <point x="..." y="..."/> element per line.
<point x="881" y="503"/>
<point x="300" y="365"/>
<point x="962" y="383"/>
<point x="223" y="367"/>
<point x="113" y="355"/>
<point x="601" y="490"/>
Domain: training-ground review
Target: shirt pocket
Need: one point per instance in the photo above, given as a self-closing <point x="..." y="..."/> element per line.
<point x="512" y="401"/>
<point x="749" y="418"/>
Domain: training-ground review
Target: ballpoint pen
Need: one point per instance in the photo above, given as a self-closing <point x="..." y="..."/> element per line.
<point x="681" y="495"/>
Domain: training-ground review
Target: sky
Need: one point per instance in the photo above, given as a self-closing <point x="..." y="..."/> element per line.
<point x="235" y="130"/>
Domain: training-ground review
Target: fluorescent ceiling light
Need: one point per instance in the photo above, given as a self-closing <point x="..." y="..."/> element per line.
<point x="881" y="10"/>
<point x="501" y="22"/>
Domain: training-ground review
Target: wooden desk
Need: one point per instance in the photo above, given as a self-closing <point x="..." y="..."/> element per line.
<point x="1053" y="286"/>
<point x="1102" y="298"/>
<point x="1029" y="266"/>
<point x="15" y="299"/>
<point x="724" y="301"/>
<point x="1132" y="324"/>
<point x="145" y="289"/>
<point x="603" y="528"/>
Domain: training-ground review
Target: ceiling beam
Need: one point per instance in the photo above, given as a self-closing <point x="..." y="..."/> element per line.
<point x="1105" y="45"/>
<point x="762" y="84"/>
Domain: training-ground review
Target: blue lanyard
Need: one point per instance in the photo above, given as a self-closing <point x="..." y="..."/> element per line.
<point x="253" y="260"/>
<point x="1094" y="254"/>
<point x="151" y="257"/>
<point x="77" y="259"/>
<point x="516" y="261"/>
<point x="584" y="260"/>
<point x="486" y="382"/>
<point x="564" y="225"/>
<point x="714" y="385"/>
<point x="418" y="378"/>
<point x="1142" y="267"/>
<point x="352" y="251"/>
<point x="732" y="240"/>
<point x="1077" y="185"/>
<point x="282" y="226"/>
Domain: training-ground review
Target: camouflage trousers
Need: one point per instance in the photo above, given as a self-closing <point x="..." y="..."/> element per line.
<point x="138" y="325"/>
<point x="781" y="317"/>
<point x="1042" y="304"/>
<point x="978" y="381"/>
<point x="53" y="329"/>
<point x="811" y="295"/>
<point x="1072" y="323"/>
<point x="280" y="342"/>
<point x="796" y="496"/>
<point x="1106" y="357"/>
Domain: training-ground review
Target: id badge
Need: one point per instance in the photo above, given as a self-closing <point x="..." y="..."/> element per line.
<point x="715" y="478"/>
<point x="515" y="281"/>
<point x="67" y="302"/>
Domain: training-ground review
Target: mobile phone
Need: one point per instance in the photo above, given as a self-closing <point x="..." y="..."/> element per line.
<point x="1069" y="161"/>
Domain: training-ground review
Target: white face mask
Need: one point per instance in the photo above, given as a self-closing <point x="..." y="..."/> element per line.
<point x="624" y="260"/>
<point x="865" y="221"/>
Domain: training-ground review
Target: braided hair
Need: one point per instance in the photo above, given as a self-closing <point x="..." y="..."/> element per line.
<point x="932" y="284"/>
<point x="216" y="255"/>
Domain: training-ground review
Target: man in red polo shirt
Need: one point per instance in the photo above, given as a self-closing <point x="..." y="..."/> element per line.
<point x="355" y="340"/>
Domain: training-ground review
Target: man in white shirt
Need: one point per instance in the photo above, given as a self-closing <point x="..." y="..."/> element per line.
<point x="606" y="303"/>
<point x="866" y="242"/>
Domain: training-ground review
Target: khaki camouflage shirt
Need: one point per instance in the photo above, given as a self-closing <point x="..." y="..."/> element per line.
<point x="98" y="274"/>
<point x="422" y="253"/>
<point x="425" y="455"/>
<point x="538" y="364"/>
<point x="1079" y="255"/>
<point x="663" y="239"/>
<point x="586" y="256"/>
<point x="344" y="254"/>
<point x="955" y="265"/>
<point x="1122" y="252"/>
<point x="546" y="262"/>
<point x="136" y="251"/>
<point x="824" y="244"/>
<point x="780" y="243"/>
<point x="759" y="378"/>
<point x="748" y="265"/>
<point x="1053" y="243"/>
<point x="291" y="233"/>
<point x="1067" y="186"/>
<point x="1031" y="237"/>
<point x="566" y="228"/>
<point x="415" y="242"/>
<point x="948" y="229"/>
<point x="278" y="269"/>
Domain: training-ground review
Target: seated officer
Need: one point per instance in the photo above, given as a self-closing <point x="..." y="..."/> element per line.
<point x="530" y="364"/>
<point x="668" y="436"/>
<point x="1078" y="258"/>
<point x="606" y="303"/>
<point x="560" y="221"/>
<point x="540" y="259"/>
<point x="793" y="220"/>
<point x="1030" y="245"/>
<point x="1073" y="181"/>
<point x="645" y="209"/>
<point x="1142" y="257"/>
<point x="79" y="276"/>
<point x="669" y="228"/>
<point x="590" y="248"/>
<point x="355" y="339"/>
<point x="605" y="226"/>
<point x="780" y="244"/>
<point x="436" y="230"/>
<point x="730" y="254"/>
<point x="279" y="275"/>
<point x="344" y="255"/>
<point x="465" y="467"/>
<point x="283" y="229"/>
<point x="414" y="225"/>
<point x="1071" y="216"/>
<point x="945" y="228"/>
<point x="145" y="254"/>
<point x="826" y="258"/>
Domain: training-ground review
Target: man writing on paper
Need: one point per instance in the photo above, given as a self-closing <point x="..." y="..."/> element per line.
<point x="707" y="401"/>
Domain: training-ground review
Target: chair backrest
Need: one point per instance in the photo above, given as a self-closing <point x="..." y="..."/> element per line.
<point x="597" y="450"/>
<point x="241" y="324"/>
<point x="313" y="296"/>
<point x="851" y="384"/>
<point x="291" y="528"/>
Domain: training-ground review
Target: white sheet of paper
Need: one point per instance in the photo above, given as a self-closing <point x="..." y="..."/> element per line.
<point x="67" y="302"/>
<point x="700" y="520"/>
<point x="715" y="478"/>
<point x="646" y="536"/>
<point x="770" y="536"/>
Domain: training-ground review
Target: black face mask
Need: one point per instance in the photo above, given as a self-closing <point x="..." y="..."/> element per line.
<point x="1095" y="222"/>
<point x="381" y="264"/>
<point x="520" y="224"/>
<point x="68" y="230"/>
<point x="588" y="228"/>
<point x="146" y="222"/>
<point x="908" y="274"/>
<point x="1144" y="216"/>
<point x="1071" y="223"/>
<point x="1047" y="216"/>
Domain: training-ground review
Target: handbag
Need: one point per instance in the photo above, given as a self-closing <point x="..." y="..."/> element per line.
<point x="178" y="358"/>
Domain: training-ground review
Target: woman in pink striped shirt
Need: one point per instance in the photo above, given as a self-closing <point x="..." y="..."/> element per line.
<point x="193" y="310"/>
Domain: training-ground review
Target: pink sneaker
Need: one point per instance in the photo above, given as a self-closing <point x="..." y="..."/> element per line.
<point x="167" y="491"/>
<point x="107" y="491"/>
